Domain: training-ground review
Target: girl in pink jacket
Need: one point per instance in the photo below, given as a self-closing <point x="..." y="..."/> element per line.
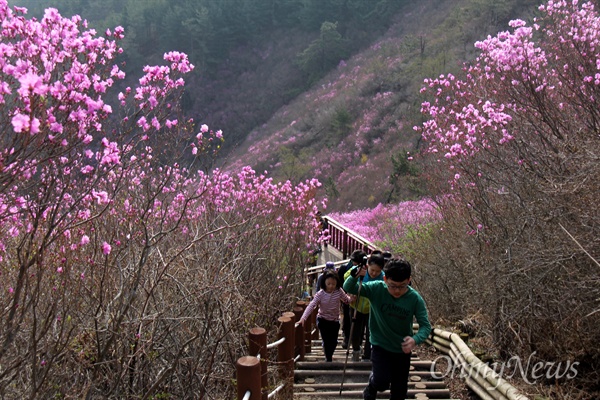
<point x="328" y="318"/>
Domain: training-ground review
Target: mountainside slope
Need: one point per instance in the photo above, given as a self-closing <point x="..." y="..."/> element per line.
<point x="347" y="128"/>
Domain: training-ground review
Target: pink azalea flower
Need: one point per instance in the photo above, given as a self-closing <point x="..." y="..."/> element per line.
<point x="106" y="248"/>
<point x="20" y="122"/>
<point x="31" y="82"/>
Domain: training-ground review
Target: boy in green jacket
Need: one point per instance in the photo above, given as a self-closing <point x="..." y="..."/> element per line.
<point x="394" y="304"/>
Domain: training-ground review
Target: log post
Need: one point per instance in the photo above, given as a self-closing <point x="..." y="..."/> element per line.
<point x="285" y="356"/>
<point x="257" y="345"/>
<point x="308" y="324"/>
<point x="299" y="334"/>
<point x="289" y="314"/>
<point x="247" y="371"/>
<point x="302" y="303"/>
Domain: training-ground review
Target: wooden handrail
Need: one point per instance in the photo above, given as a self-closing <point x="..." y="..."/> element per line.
<point x="252" y="382"/>
<point x="480" y="378"/>
<point x="346" y="240"/>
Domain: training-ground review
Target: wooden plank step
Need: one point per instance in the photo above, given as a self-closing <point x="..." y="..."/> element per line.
<point x="338" y="353"/>
<point x="318" y="352"/>
<point x="346" y="396"/>
<point x="358" y="394"/>
<point x="421" y="365"/>
<point x="424" y="375"/>
<point x="357" y="385"/>
<point x="342" y="358"/>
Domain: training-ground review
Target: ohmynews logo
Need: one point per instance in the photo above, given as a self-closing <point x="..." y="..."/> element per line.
<point x="530" y="372"/>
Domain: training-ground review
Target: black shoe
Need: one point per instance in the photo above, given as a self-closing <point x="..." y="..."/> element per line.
<point x="366" y="357"/>
<point x="369" y="394"/>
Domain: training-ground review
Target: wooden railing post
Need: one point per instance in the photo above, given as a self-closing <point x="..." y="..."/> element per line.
<point x="302" y="304"/>
<point x="289" y="314"/>
<point x="248" y="377"/>
<point x="257" y="345"/>
<point x="345" y="245"/>
<point x="299" y="334"/>
<point x="285" y="356"/>
<point x="346" y="240"/>
<point x="308" y="335"/>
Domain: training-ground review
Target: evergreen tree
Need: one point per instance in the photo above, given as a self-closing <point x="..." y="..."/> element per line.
<point x="323" y="53"/>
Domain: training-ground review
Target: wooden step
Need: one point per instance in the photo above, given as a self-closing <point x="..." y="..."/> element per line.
<point x="419" y="365"/>
<point x="358" y="385"/>
<point x="358" y="394"/>
<point x="325" y="378"/>
<point x="355" y="372"/>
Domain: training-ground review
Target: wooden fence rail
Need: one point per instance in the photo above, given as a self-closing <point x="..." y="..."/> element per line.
<point x="294" y="341"/>
<point x="479" y="377"/>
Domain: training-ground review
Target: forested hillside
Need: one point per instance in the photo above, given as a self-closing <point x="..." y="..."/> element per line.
<point x="308" y="88"/>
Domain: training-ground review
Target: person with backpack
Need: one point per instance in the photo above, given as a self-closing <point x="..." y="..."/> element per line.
<point x="361" y="306"/>
<point x="357" y="257"/>
<point x="329" y="266"/>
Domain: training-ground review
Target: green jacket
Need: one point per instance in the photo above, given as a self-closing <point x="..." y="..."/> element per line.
<point x="391" y="319"/>
<point x="364" y="304"/>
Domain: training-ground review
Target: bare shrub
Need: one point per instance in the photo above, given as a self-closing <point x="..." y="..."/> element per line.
<point x="519" y="138"/>
<point x="128" y="271"/>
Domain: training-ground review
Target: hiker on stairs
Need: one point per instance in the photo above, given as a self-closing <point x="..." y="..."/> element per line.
<point x="394" y="305"/>
<point x="328" y="318"/>
<point x="361" y="332"/>
<point x="356" y="258"/>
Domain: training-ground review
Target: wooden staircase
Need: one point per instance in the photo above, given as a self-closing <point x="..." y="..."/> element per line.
<point x="316" y="379"/>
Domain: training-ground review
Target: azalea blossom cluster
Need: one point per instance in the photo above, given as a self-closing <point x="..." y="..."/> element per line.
<point x="529" y="84"/>
<point x="53" y="80"/>
<point x="514" y="143"/>
<point x="99" y="207"/>
<point x="387" y="223"/>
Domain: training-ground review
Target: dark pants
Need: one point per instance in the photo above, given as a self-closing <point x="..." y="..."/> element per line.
<point x="329" y="333"/>
<point x="346" y="322"/>
<point x="388" y="371"/>
<point x="367" y="349"/>
<point x="361" y="323"/>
